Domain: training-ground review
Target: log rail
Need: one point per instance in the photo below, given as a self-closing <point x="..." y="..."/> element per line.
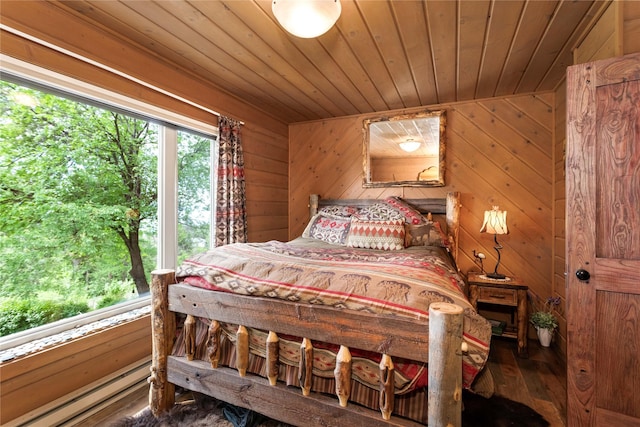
<point x="391" y="336"/>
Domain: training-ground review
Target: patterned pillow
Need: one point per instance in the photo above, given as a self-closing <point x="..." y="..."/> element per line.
<point x="384" y="235"/>
<point x="409" y="213"/>
<point x="429" y="234"/>
<point x="337" y="210"/>
<point x="379" y="212"/>
<point x="328" y="228"/>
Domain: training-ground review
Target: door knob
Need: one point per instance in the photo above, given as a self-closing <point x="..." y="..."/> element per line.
<point x="583" y="275"/>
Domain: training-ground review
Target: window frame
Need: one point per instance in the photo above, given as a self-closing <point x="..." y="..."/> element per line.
<point x="170" y="122"/>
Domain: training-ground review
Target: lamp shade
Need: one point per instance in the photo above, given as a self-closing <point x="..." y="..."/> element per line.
<point x="495" y="222"/>
<point x="306" y="18"/>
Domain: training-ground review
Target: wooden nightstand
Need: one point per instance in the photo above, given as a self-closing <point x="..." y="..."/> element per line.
<point x="510" y="293"/>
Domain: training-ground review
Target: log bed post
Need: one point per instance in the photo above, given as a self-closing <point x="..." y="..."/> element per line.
<point x="190" y="337"/>
<point x="342" y="374"/>
<point x="305" y="368"/>
<point x="242" y="350"/>
<point x="453" y="221"/>
<point x="445" y="365"/>
<point x="213" y="343"/>
<point x="273" y="357"/>
<point x="313" y="204"/>
<point x="387" y="386"/>
<point x="163" y="327"/>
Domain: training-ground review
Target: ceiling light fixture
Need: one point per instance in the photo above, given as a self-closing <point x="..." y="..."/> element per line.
<point x="306" y="18"/>
<point x="410" y="145"/>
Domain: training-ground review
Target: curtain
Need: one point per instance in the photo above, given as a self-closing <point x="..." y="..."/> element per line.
<point x="231" y="216"/>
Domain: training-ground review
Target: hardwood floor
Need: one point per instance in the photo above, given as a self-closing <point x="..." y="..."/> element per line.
<point x="538" y="381"/>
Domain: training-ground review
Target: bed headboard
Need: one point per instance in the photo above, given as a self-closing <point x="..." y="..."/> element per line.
<point x="445" y="210"/>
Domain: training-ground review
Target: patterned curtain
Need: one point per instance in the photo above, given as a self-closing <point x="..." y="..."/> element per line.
<point x="231" y="216"/>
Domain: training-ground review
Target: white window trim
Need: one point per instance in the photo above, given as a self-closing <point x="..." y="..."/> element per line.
<point x="167" y="198"/>
<point x="167" y="184"/>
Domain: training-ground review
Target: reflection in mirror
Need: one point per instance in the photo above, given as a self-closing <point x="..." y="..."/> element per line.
<point x="405" y="150"/>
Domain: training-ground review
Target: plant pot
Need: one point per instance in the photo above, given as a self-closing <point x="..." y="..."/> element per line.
<point x="545" y="335"/>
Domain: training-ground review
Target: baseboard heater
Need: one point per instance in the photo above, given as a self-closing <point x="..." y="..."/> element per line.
<point x="72" y="409"/>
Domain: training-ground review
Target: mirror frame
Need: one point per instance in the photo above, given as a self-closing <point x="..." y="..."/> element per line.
<point x="439" y="182"/>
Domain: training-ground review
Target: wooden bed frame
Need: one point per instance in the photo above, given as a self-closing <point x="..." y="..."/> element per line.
<point x="437" y="341"/>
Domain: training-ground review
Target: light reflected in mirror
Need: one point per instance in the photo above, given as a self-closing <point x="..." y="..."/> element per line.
<point x="405" y="150"/>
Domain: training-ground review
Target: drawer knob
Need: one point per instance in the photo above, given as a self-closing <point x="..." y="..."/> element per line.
<point x="583" y="275"/>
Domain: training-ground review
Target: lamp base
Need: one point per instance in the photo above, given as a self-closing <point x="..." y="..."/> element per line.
<point x="495" y="275"/>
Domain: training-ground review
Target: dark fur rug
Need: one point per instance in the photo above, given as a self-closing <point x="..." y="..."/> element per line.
<point x="478" y="411"/>
<point x="498" y="411"/>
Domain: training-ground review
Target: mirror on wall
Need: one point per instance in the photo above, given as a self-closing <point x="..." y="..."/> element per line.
<point x="405" y="150"/>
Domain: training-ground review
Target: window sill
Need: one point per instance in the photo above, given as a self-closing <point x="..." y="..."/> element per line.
<point x="37" y="339"/>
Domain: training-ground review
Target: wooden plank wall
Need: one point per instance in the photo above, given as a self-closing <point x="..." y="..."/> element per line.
<point x="604" y="40"/>
<point x="37" y="379"/>
<point x="266" y="159"/>
<point x="499" y="152"/>
<point x="630" y="27"/>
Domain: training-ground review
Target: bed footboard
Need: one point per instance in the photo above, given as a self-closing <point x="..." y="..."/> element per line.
<point x="163" y="328"/>
<point x="392" y="337"/>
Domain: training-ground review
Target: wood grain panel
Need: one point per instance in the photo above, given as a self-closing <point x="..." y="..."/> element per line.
<point x="602" y="40"/>
<point x="414" y="32"/>
<point x="559" y="26"/>
<point x="565" y="56"/>
<point x="499" y="38"/>
<point x="34" y="380"/>
<point x="630" y="27"/>
<point x="363" y="47"/>
<point x="618" y="159"/>
<point x="490" y="160"/>
<point x="348" y="49"/>
<point x="377" y="16"/>
<point x="223" y="21"/>
<point x="175" y="39"/>
<point x="531" y="24"/>
<point x="441" y="18"/>
<point x="618" y="374"/>
<point x="473" y="16"/>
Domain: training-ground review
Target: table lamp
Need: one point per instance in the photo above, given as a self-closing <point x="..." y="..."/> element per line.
<point x="495" y="221"/>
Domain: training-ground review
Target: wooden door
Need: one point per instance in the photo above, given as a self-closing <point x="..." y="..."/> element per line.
<point x="603" y="243"/>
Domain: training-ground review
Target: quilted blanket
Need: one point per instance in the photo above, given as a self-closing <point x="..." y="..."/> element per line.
<point x="401" y="283"/>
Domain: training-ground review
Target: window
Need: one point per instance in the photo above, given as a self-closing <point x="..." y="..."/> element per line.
<point x="80" y="224"/>
<point x="195" y="180"/>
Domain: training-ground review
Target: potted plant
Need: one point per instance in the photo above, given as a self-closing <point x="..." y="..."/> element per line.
<point x="545" y="322"/>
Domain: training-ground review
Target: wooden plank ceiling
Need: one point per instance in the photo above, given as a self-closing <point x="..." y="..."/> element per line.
<point x="380" y="55"/>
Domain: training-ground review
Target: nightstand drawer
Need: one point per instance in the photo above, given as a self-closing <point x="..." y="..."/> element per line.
<point x="498" y="296"/>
